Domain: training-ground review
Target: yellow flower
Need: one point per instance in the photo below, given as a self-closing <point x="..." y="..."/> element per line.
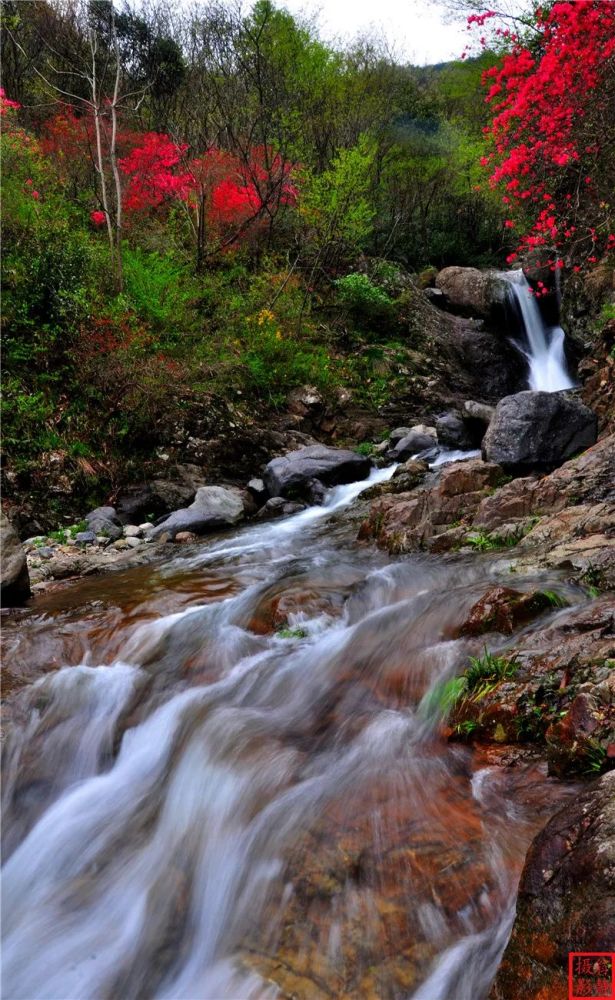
<point x="278" y="335"/>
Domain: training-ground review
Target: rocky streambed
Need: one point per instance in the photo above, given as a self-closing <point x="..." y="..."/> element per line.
<point x="299" y="739"/>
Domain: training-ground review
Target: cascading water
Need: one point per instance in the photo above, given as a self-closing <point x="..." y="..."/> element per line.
<point x="229" y="781"/>
<point x="543" y="346"/>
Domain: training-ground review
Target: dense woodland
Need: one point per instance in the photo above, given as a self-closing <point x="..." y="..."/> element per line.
<point x="211" y="203"/>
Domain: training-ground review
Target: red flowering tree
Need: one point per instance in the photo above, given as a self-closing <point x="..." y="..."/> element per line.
<point x="552" y="135"/>
<point x="225" y="196"/>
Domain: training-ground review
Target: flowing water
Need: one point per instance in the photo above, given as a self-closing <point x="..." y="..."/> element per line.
<point x="222" y="779"/>
<point x="542" y="346"/>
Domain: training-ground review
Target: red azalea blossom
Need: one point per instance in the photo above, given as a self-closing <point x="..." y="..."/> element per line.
<point x="98" y="218"/>
<point x="547" y="104"/>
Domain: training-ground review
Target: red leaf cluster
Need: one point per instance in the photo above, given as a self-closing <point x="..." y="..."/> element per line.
<point x="548" y="149"/>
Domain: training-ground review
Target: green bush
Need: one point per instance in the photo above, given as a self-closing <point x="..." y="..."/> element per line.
<point x="360" y="296"/>
<point x="161" y="290"/>
<point x="50" y="279"/>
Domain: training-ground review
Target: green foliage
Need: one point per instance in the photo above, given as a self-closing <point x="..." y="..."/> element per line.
<point x="488" y="668"/>
<point x="365" y="448"/>
<point x="335" y="205"/>
<point x="595" y="757"/>
<point x="292" y="633"/>
<point x="360" y="296"/>
<point x="161" y="291"/>
<point x="481" y="542"/>
<point x="555" y="600"/>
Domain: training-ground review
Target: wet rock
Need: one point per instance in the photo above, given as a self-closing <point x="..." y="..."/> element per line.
<point x="409" y="520"/>
<point x="502" y="609"/>
<point x="396" y="435"/>
<point x="560" y="693"/>
<point x="406" y="477"/>
<point x="185" y="537"/>
<point x="472" y="292"/>
<point x="538" y="430"/>
<point x="279" y="507"/>
<point x="418" y="439"/>
<point x="214" y="507"/>
<point x="14" y="577"/>
<point x="315" y="492"/>
<point x="453" y="432"/>
<point x="566" y="900"/>
<point x="289" y="475"/>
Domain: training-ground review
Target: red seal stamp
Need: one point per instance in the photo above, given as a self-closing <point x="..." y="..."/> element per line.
<point x="591" y="974"/>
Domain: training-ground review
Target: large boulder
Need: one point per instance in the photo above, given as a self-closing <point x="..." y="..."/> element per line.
<point x="290" y="475"/>
<point x="538" y="430"/>
<point x="14" y="578"/>
<point x="566" y="901"/>
<point x="472" y="292"/>
<point x="214" y="507"/>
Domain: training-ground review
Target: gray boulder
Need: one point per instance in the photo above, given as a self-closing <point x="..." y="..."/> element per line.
<point x="472" y="292"/>
<point x="104" y="521"/>
<point x="14" y="578"/>
<point x="104" y="513"/>
<point x="419" y="439"/>
<point x="213" y="508"/>
<point x="538" y="430"/>
<point x="397" y="434"/>
<point x="290" y="475"/>
<point x="453" y="432"/>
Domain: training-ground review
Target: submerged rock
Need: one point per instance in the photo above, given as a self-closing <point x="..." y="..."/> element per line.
<point x="14" y="578"/>
<point x="566" y="901"/>
<point x="290" y="475"/>
<point x="502" y="609"/>
<point x="538" y="430"/>
<point x="279" y="507"/>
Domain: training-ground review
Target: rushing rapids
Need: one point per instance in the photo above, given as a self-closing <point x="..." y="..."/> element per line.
<point x="229" y="781"/>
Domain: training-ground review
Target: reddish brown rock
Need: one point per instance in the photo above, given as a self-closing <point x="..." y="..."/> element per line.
<point x="566" y="898"/>
<point x="502" y="609"/>
<point x="561" y="695"/>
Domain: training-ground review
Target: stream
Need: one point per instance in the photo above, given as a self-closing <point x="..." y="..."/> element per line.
<point x="224" y="778"/>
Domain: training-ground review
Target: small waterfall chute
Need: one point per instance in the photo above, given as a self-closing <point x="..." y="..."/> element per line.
<point x="542" y="345"/>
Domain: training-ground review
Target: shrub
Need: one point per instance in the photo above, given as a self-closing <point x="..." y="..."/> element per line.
<point x="360" y="296"/>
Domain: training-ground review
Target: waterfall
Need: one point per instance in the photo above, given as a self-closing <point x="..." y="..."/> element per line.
<point x="543" y="346"/>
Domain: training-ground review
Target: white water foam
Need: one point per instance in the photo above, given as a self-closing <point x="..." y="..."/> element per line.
<point x="544" y="345"/>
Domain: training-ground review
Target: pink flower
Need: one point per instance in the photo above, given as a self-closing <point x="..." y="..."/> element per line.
<point x="36" y="195"/>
